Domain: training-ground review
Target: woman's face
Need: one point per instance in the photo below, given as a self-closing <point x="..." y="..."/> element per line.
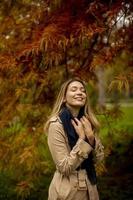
<point x="75" y="95"/>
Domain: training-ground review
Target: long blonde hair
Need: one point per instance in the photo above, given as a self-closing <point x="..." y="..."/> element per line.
<point x="60" y="101"/>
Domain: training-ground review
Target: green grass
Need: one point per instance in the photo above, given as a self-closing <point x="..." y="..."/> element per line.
<point x="127" y="119"/>
<point x="121" y="125"/>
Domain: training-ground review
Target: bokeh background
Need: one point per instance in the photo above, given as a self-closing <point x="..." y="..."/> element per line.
<point x="42" y="44"/>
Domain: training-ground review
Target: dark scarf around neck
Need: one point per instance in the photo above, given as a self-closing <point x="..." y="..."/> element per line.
<point x="66" y="116"/>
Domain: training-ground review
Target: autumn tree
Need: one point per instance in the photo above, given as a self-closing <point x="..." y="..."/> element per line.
<point x="41" y="44"/>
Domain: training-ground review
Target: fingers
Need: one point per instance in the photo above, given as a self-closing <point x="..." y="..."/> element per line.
<point x="76" y="126"/>
<point x="85" y="121"/>
<point x="73" y="123"/>
<point x="77" y="121"/>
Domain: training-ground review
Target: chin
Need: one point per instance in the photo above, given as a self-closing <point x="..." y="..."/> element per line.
<point x="79" y="105"/>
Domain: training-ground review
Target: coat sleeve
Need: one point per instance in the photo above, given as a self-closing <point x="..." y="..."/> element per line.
<point x="66" y="160"/>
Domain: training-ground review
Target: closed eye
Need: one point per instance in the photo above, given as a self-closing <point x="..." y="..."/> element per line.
<point x="73" y="89"/>
<point x="83" y="90"/>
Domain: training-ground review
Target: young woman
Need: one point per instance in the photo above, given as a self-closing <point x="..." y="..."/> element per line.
<point x="74" y="144"/>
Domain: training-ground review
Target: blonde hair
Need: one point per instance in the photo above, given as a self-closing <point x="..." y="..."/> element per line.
<point x="60" y="101"/>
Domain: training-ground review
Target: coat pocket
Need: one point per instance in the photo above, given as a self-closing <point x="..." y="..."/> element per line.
<point x="65" y="186"/>
<point x="61" y="186"/>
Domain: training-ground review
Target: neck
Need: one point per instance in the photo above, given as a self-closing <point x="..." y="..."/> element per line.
<point x="74" y="110"/>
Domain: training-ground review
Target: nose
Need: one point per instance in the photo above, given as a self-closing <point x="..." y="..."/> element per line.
<point x="79" y="92"/>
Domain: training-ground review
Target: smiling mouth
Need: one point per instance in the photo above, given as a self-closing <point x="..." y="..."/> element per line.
<point x="79" y="99"/>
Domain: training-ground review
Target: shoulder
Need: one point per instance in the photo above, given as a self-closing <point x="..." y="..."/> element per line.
<point x="55" y="119"/>
<point x="55" y="124"/>
<point x="56" y="129"/>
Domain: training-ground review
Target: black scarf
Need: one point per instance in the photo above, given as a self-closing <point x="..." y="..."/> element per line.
<point x="87" y="164"/>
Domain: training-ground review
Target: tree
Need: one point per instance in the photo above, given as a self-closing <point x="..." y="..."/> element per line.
<point x="41" y="44"/>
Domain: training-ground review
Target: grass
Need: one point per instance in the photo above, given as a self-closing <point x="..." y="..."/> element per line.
<point x="127" y="119"/>
<point x="124" y="123"/>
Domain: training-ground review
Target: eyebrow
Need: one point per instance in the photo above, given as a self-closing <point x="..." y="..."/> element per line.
<point x="75" y="87"/>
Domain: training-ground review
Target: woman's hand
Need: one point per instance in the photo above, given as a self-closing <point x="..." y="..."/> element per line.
<point x="78" y="126"/>
<point x="87" y="126"/>
<point x="87" y="129"/>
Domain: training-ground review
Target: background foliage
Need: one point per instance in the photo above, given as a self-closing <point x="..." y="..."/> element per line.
<point x="42" y="43"/>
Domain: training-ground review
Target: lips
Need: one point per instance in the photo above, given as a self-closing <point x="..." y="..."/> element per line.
<point x="79" y="98"/>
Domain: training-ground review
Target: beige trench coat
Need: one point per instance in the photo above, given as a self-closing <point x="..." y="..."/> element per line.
<point x="68" y="183"/>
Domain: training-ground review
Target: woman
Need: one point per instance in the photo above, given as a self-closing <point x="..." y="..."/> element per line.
<point x="73" y="142"/>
